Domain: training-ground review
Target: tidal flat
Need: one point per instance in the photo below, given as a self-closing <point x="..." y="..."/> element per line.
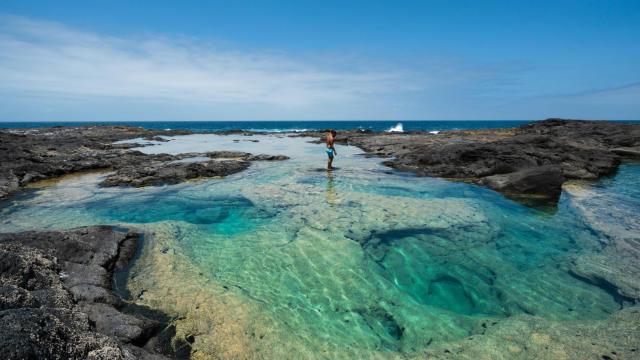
<point x="284" y="260"/>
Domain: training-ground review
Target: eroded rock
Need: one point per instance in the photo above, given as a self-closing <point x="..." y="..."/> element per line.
<point x="512" y="161"/>
<point x="56" y="297"/>
<point x="172" y="173"/>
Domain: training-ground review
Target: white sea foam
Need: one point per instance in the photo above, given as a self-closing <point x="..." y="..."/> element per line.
<point x="295" y="130"/>
<point x="434" y="132"/>
<point x="398" y="128"/>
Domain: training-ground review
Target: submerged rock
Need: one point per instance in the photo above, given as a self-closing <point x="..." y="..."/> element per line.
<point x="615" y="265"/>
<point x="530" y="337"/>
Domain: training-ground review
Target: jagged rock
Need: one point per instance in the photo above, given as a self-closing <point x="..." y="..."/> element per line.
<point x="94" y="294"/>
<point x="543" y="181"/>
<point x="265" y="157"/>
<point x="28" y="155"/>
<point x="125" y="327"/>
<point x="508" y="160"/>
<point x="8" y="183"/>
<point x="14" y="297"/>
<point x="172" y="173"/>
<point x="55" y="284"/>
<point x="48" y="333"/>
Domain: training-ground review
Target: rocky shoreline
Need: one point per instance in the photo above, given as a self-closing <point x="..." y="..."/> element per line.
<point x="57" y="299"/>
<point x="29" y="155"/>
<point x="527" y="163"/>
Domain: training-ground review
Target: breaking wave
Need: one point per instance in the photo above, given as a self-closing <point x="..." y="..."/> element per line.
<point x="397" y="128"/>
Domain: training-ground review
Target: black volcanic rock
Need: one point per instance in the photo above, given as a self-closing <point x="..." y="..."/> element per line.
<point x="56" y="298"/>
<point x="546" y="181"/>
<point x="172" y="173"/>
<point x="534" y="159"/>
<point x="28" y="155"/>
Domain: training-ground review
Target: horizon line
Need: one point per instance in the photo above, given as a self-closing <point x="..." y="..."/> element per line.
<point x="302" y="120"/>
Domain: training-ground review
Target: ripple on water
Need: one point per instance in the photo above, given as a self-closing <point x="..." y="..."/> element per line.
<point x="227" y="215"/>
<point x="285" y="262"/>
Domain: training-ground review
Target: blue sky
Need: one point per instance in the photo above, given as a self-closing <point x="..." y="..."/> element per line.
<point x="225" y="60"/>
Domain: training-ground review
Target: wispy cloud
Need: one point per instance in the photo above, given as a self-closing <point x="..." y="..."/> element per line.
<point x="50" y="71"/>
<point x="40" y="58"/>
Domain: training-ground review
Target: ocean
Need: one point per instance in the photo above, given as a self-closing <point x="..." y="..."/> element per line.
<point x="296" y="125"/>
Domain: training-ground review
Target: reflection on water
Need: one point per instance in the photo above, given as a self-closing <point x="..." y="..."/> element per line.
<point x="331" y="191"/>
<point x="285" y="261"/>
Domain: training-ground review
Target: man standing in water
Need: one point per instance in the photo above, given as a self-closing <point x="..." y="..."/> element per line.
<point x="331" y="151"/>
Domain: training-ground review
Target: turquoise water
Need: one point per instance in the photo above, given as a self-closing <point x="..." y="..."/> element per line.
<point x="286" y="260"/>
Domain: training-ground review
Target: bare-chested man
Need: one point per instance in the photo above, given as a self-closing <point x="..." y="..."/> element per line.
<point x="331" y="151"/>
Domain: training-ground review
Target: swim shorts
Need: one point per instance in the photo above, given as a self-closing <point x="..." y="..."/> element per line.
<point x="330" y="153"/>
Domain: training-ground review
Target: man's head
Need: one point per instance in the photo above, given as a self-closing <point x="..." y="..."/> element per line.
<point x="333" y="132"/>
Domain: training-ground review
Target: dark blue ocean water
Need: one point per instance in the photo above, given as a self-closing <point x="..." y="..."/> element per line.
<point x="289" y="125"/>
<point x="415" y="125"/>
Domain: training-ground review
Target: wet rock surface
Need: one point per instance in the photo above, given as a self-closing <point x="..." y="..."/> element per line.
<point x="615" y="264"/>
<point x="172" y="173"/>
<point x="530" y="337"/>
<point x="172" y="170"/>
<point x="57" y="301"/>
<point x="534" y="159"/>
<point x="28" y="155"/>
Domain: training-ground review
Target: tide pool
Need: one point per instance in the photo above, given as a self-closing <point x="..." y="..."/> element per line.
<point x="287" y="260"/>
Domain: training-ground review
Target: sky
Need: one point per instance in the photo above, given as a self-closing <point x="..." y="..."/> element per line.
<point x="319" y="60"/>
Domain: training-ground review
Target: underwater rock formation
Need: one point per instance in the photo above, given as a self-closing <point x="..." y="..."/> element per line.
<point x="530" y="337"/>
<point x="616" y="263"/>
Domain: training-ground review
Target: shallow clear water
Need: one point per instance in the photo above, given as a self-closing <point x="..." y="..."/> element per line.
<point x="287" y="260"/>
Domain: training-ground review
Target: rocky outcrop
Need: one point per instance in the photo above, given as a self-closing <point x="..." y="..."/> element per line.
<point x="28" y="155"/>
<point x="165" y="172"/>
<point x="533" y="159"/>
<point x="57" y="299"/>
<point x="172" y="173"/>
<point x="546" y="180"/>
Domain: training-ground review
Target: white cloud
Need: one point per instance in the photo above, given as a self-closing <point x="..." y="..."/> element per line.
<point x="51" y="60"/>
<point x="50" y="71"/>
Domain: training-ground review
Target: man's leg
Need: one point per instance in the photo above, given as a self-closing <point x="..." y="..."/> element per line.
<point x="329" y="164"/>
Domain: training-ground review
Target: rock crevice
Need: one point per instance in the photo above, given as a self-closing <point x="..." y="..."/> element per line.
<point x="57" y="299"/>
